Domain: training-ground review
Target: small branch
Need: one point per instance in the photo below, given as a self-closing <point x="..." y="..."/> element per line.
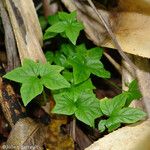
<point x="46" y="7"/>
<point x="114" y="63"/>
<point x="109" y="30"/>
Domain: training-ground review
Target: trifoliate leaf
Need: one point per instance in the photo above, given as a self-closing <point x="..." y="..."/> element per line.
<point x="34" y="76"/>
<point x="78" y="101"/>
<point x="86" y="64"/>
<point x="65" y="24"/>
<point x="109" y="105"/>
<point x="73" y="30"/>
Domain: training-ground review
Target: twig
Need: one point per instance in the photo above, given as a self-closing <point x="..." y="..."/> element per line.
<point x="114" y="63"/>
<point x="109" y="30"/>
<point x="46" y="7"/>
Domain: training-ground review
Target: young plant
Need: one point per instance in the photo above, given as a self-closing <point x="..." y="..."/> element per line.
<point x="83" y="62"/>
<point x="65" y="24"/>
<point x="117" y="109"/>
<point x="78" y="100"/>
<point x="69" y="80"/>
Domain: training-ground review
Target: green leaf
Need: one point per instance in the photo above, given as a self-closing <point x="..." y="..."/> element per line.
<point x="18" y="72"/>
<point x="53" y="19"/>
<point x="124" y="115"/>
<point x="87" y="109"/>
<point x="67" y="17"/>
<point x="128" y="115"/>
<point x="58" y="27"/>
<point x="43" y="22"/>
<point x="68" y="49"/>
<point x="31" y="89"/>
<point x="87" y="63"/>
<point x="81" y="49"/>
<point x="53" y="30"/>
<point x="73" y="30"/>
<point x="119" y="101"/>
<point x="113" y="127"/>
<point x="51" y="77"/>
<point x="49" y="35"/>
<point x="49" y="56"/>
<point x="54" y="81"/>
<point x="105" y="106"/>
<point x="78" y="101"/>
<point x="80" y="70"/>
<point x="133" y="93"/>
<point x="65" y="24"/>
<point x="82" y="87"/>
<point x="47" y="68"/>
<point x="68" y="75"/>
<point x="64" y="104"/>
<point x="109" y="106"/>
<point x="60" y="59"/>
<point x="95" y="53"/>
<point x="21" y="74"/>
<point x="101" y="125"/>
<point x="34" y="76"/>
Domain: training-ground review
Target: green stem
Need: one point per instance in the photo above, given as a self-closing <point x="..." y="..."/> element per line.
<point x="44" y="97"/>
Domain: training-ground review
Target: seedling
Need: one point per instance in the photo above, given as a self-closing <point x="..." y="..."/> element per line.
<point x="68" y="75"/>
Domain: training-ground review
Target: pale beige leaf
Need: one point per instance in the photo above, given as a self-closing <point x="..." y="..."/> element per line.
<point x="133" y="137"/>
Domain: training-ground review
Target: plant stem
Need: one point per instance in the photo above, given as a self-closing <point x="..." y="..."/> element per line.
<point x="44" y="97"/>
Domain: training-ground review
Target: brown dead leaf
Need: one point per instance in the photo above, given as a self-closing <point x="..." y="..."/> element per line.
<point x="26" y="134"/>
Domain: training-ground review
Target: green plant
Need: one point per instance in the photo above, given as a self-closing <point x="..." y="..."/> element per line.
<point x="68" y="75"/>
<point x="65" y="24"/>
<point x="34" y="76"/>
<point x="117" y="109"/>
